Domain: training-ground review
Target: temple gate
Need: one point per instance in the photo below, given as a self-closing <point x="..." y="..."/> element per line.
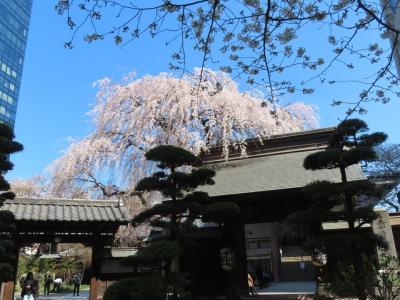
<point x="89" y="222"/>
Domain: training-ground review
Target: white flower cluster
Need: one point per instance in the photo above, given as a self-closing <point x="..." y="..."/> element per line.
<point x="133" y="116"/>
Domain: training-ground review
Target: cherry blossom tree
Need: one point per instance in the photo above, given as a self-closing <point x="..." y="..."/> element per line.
<point x="137" y="114"/>
<point x="35" y="186"/>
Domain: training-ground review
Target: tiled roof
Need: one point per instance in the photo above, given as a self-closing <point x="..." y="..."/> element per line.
<point x="276" y="171"/>
<point x="299" y="140"/>
<point x="395" y="219"/>
<point x="66" y="210"/>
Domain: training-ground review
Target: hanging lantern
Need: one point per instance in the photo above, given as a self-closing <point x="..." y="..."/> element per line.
<point x="227" y="258"/>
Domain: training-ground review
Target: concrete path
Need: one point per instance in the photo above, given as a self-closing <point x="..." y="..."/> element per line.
<point x="289" y="288"/>
<point x="83" y="295"/>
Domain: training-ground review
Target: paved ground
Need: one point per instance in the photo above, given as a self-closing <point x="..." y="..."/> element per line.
<point x="289" y="288"/>
<point x="84" y="295"/>
<point x="275" y="291"/>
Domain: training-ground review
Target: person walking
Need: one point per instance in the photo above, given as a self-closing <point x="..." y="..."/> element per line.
<point x="48" y="280"/>
<point x="30" y="287"/>
<point x="77" y="283"/>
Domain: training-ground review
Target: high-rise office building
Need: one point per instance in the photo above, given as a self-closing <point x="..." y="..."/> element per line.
<point x="391" y="9"/>
<point x="14" y="24"/>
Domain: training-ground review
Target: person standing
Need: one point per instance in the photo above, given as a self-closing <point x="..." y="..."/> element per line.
<point x="48" y="280"/>
<point x="30" y="287"/>
<point x="77" y="283"/>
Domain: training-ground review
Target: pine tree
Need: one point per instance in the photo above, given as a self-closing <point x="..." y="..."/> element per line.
<point x="177" y="179"/>
<point x="345" y="249"/>
<point x="7" y="252"/>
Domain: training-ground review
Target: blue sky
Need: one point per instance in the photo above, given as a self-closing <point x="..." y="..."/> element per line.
<point x="57" y="90"/>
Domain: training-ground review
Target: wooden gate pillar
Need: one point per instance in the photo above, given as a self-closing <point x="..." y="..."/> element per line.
<point x="8" y="290"/>
<point x="8" y="287"/>
<point x="96" y="285"/>
<point x="94" y="278"/>
<point x="237" y="278"/>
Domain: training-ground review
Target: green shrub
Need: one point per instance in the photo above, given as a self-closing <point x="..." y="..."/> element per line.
<point x="139" y="288"/>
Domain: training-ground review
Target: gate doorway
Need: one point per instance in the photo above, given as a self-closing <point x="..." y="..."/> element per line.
<point x="56" y="268"/>
<point x="89" y="222"/>
<point x="260" y="261"/>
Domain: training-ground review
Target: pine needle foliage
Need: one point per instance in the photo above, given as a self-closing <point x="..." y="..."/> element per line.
<point x="7" y="256"/>
<point x="342" y="202"/>
<point x="178" y="177"/>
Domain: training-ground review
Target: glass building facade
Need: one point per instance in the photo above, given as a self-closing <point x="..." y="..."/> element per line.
<point x="391" y="10"/>
<point x="14" y="24"/>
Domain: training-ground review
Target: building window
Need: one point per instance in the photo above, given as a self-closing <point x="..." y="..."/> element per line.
<point x="263" y="243"/>
<point x="9" y="85"/>
<point x="6" y="97"/>
<point x="6" y="69"/>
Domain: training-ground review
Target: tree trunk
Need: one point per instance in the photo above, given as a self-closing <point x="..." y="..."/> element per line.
<point x="355" y="251"/>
